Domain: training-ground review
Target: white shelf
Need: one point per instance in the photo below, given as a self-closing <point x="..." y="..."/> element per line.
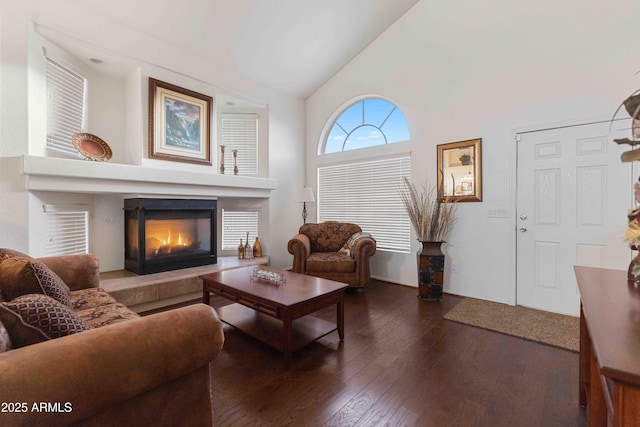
<point x="81" y="176"/>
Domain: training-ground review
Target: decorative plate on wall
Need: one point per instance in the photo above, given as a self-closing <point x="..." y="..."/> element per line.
<point x="91" y="147"/>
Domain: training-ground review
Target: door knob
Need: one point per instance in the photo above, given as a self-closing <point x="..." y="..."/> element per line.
<point x="523" y="229"/>
<point x="523" y="217"/>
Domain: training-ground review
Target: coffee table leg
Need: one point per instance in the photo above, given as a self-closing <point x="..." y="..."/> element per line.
<point x="340" y="319"/>
<point x="206" y="297"/>
<point x="286" y="338"/>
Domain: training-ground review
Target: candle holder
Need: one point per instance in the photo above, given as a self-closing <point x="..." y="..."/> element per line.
<point x="235" y="161"/>
<point x="222" y="159"/>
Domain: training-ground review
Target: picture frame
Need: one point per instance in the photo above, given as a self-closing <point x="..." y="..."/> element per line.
<point x="179" y="124"/>
<point x="460" y="171"/>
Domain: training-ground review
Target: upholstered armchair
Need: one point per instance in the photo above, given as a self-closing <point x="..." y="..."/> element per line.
<point x="333" y="250"/>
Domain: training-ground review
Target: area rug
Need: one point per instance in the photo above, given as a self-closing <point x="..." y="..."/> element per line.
<point x="547" y="328"/>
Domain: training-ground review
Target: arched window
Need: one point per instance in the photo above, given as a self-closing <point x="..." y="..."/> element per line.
<point x="367" y="123"/>
<point x="361" y="189"/>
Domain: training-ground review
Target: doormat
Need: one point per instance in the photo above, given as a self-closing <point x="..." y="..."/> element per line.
<point x="547" y="328"/>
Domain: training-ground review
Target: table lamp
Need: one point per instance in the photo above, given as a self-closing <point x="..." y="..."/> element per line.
<point x="305" y="196"/>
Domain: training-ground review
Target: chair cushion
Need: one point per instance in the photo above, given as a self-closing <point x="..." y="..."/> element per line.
<point x="34" y="318"/>
<point x="328" y="236"/>
<point x="22" y="276"/>
<point x="330" y="262"/>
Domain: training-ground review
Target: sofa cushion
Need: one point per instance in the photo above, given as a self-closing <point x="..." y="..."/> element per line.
<point x="22" y="276"/>
<point x="90" y="298"/>
<point x="106" y="315"/>
<point x="34" y="318"/>
<point x="330" y="262"/>
<point x="5" y="341"/>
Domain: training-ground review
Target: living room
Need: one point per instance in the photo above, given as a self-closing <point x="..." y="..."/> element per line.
<point x="456" y="71"/>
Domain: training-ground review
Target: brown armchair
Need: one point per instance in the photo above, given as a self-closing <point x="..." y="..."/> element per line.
<point x="333" y="250"/>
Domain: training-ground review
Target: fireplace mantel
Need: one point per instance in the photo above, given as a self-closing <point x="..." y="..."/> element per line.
<point x="80" y="176"/>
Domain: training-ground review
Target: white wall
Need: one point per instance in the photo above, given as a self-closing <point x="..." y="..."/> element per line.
<point x="124" y="116"/>
<point x="465" y="69"/>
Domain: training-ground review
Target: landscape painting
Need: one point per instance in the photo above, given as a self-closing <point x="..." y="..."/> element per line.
<point x="179" y="124"/>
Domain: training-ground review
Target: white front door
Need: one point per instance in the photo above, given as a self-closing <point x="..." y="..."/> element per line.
<point x="573" y="193"/>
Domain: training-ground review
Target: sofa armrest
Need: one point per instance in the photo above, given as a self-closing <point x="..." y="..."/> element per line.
<point x="300" y="247"/>
<point x="93" y="371"/>
<point x="77" y="271"/>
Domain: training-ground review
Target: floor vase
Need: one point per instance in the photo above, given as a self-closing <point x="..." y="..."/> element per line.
<point x="430" y="271"/>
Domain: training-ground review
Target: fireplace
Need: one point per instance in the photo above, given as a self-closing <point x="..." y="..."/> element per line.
<point x="168" y="234"/>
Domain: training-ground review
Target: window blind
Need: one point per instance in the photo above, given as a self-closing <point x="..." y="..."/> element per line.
<point x="235" y="225"/>
<point x="65" y="107"/>
<point x="240" y="132"/>
<point x="67" y="230"/>
<point x="367" y="194"/>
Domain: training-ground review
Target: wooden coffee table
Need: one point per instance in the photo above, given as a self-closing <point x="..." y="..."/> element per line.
<point x="277" y="314"/>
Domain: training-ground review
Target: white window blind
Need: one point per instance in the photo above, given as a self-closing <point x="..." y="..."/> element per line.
<point x="235" y="225"/>
<point x="240" y="132"/>
<point x="67" y="230"/>
<point x="367" y="194"/>
<point x="65" y="107"/>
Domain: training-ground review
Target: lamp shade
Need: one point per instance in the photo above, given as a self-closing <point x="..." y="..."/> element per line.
<point x="305" y="195"/>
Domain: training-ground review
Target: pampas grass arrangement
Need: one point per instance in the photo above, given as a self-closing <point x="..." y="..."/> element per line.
<point x="431" y="218"/>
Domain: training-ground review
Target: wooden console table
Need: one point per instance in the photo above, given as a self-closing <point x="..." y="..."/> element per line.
<point x="609" y="347"/>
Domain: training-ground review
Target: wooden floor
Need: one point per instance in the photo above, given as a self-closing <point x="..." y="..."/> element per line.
<point x="400" y="364"/>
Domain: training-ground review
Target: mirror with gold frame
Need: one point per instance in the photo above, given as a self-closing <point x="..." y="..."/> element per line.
<point x="460" y="171"/>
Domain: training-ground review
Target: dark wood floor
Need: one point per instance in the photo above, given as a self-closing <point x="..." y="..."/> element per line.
<point x="400" y="364"/>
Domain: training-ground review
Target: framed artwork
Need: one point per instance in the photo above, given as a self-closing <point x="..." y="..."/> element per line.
<point x="460" y="171"/>
<point x="179" y="124"/>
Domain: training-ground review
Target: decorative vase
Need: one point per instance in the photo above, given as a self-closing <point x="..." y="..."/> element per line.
<point x="241" y="250"/>
<point x="430" y="271"/>
<point x="257" y="248"/>
<point x="248" y="250"/>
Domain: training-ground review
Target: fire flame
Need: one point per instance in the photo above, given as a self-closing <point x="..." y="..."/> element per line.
<point x="179" y="242"/>
<point x="166" y="245"/>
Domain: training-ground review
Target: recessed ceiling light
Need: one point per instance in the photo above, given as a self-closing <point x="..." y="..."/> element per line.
<point x="96" y="60"/>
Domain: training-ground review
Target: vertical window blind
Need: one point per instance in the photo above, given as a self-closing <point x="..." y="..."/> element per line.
<point x="367" y="194"/>
<point x="67" y="230"/>
<point x="240" y="132"/>
<point x="235" y="225"/>
<point x="65" y="107"/>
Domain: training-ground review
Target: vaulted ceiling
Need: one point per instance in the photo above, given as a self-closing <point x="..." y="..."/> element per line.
<point x="291" y="45"/>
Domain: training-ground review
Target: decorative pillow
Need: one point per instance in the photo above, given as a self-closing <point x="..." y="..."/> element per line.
<point x="5" y="341"/>
<point x="22" y="276"/>
<point x="345" y="250"/>
<point x="34" y="318"/>
<point x="353" y="240"/>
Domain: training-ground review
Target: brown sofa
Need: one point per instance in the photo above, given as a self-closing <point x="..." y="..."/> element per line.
<point x="124" y="370"/>
<point x="333" y="250"/>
